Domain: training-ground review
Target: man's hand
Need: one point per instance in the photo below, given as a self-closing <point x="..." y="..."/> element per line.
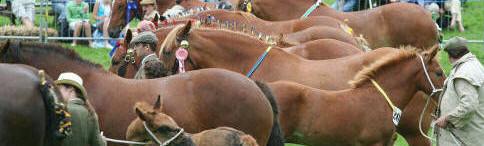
<point x="442" y="121"/>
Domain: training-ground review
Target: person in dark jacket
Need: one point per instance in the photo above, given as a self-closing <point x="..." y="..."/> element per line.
<point x="85" y="126"/>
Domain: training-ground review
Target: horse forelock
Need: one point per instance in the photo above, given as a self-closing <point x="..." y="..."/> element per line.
<point x="57" y="49"/>
<point x="374" y="68"/>
<point x="170" y="38"/>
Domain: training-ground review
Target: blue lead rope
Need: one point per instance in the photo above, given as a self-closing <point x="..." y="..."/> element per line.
<point x="311" y="9"/>
<point x="259" y="61"/>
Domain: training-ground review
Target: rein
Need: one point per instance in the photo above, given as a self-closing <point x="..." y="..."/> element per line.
<point x="311" y="9"/>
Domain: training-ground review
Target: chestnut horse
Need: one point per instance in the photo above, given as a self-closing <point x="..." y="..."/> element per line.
<point x="391" y="25"/>
<point x="26" y="107"/>
<point x="359" y="115"/>
<point x="240" y="51"/>
<point x="168" y="131"/>
<point x="198" y="100"/>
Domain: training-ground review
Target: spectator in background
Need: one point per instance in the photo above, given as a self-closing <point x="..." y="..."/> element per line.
<point x="78" y="18"/>
<point x="344" y="5"/>
<point x="25" y="10"/>
<point x="59" y="8"/>
<point x="174" y="11"/>
<point x="149" y="9"/>
<point x="224" y="4"/>
<point x="101" y="13"/>
<point x="454" y="6"/>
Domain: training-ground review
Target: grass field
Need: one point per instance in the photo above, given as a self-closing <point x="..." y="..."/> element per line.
<point x="473" y="17"/>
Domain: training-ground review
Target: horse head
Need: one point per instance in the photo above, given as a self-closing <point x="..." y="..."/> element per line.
<point x="161" y="126"/>
<point x="174" y="53"/>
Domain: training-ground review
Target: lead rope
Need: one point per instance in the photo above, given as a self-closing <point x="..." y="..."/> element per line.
<point x="259" y="62"/>
<point x="311" y="9"/>
<point x="434" y="90"/>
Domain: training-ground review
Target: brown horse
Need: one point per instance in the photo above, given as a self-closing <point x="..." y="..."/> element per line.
<point x="239" y="52"/>
<point x="118" y="20"/>
<point x="223" y="104"/>
<point x="26" y="107"/>
<point x="384" y="26"/>
<point x="168" y="131"/>
<point x="360" y="115"/>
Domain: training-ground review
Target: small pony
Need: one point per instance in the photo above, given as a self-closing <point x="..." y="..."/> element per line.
<point x="163" y="130"/>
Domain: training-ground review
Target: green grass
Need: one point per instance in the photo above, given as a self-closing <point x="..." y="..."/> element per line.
<point x="473" y="17"/>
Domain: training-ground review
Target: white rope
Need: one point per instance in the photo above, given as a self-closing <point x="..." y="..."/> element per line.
<point x="434" y="90"/>
<point x="157" y="140"/>
<point x="122" y="141"/>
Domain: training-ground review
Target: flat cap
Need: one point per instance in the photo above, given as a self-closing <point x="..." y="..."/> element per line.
<point x="455" y="43"/>
<point x="147" y="37"/>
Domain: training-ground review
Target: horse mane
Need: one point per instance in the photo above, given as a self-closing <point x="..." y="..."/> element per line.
<point x="173" y="34"/>
<point x="371" y="70"/>
<point x="42" y="48"/>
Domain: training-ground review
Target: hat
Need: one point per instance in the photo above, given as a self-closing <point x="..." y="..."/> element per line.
<point x="72" y="79"/>
<point x="455" y="43"/>
<point x="147" y="2"/>
<point x="146" y="26"/>
<point x="145" y="37"/>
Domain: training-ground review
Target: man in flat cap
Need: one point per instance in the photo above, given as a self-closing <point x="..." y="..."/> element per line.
<point x="462" y="99"/>
<point x="144" y="45"/>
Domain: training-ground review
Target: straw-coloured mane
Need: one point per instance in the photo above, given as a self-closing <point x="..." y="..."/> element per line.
<point x="169" y="38"/>
<point x="371" y="70"/>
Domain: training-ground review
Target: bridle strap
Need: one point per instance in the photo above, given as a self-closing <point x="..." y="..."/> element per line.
<point x="434" y="90"/>
<point x="157" y="140"/>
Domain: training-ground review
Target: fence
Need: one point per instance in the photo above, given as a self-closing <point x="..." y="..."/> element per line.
<point x="45" y="20"/>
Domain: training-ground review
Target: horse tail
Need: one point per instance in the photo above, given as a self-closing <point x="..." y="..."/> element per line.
<point x="277" y="136"/>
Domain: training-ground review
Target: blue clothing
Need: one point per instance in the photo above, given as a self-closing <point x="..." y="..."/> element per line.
<point x="347" y="7"/>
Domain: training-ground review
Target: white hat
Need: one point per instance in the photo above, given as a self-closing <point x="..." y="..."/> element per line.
<point x="71" y="76"/>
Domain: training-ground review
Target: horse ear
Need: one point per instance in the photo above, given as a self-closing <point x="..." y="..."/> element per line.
<point x="158" y="103"/>
<point x="431" y="52"/>
<point x="156" y="18"/>
<point x="140" y="114"/>
<point x="185" y="30"/>
<point x="128" y="37"/>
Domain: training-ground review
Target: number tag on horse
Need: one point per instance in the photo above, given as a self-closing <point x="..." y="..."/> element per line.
<point x="397" y="114"/>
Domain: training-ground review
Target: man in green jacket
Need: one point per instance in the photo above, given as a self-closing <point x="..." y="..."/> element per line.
<point x="462" y="99"/>
<point x="85" y="127"/>
<point x="78" y="18"/>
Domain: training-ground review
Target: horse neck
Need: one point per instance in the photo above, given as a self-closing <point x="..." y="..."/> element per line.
<point x="236" y="51"/>
<point x="398" y="81"/>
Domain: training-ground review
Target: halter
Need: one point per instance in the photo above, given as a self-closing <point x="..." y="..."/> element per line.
<point x="157" y="140"/>
<point x="131" y="5"/>
<point x="434" y="90"/>
<point x="247" y="5"/>
<point x="397" y="111"/>
<point x="311" y="9"/>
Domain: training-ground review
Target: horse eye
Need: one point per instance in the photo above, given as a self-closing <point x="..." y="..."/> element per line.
<point x="439" y="73"/>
